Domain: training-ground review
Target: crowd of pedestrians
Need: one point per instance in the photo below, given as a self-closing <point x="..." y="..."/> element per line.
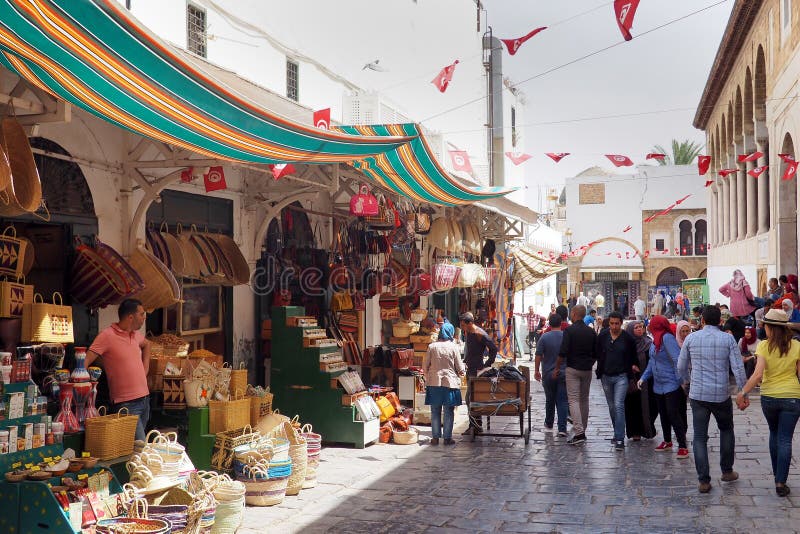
<point x="651" y="368"/>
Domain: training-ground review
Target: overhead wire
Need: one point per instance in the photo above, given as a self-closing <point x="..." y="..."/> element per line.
<point x="581" y="58"/>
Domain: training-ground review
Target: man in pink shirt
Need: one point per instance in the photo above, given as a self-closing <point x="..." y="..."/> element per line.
<point x="125" y="355"/>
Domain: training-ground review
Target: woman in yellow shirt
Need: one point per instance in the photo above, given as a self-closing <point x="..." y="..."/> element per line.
<point x="778" y="364"/>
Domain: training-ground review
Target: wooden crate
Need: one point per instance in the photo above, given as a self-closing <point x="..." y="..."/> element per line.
<point x="333" y="367"/>
<point x="483" y="390"/>
<point x="319" y="342"/>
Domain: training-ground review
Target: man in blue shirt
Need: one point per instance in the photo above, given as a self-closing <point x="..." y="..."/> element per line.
<point x="590" y="318"/>
<point x="711" y="353"/>
<point x="555" y="389"/>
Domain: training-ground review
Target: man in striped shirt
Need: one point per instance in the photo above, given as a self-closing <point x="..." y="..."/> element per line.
<point x="706" y="358"/>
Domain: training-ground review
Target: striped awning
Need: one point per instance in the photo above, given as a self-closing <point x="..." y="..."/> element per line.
<point x="528" y="268"/>
<point x="93" y="54"/>
<point x="412" y="169"/>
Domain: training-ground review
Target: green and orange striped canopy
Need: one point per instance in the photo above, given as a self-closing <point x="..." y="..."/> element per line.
<point x="93" y="54"/>
<point x="412" y="169"/>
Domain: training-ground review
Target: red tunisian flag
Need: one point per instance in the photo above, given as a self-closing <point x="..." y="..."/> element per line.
<point x="620" y="161"/>
<point x="627" y="229"/>
<point x="725" y="172"/>
<point x="709" y="182"/>
<point x="758" y="171"/>
<point x="556" y="156"/>
<point x="682" y="199"/>
<point x="749" y="157"/>
<point x="625" y="11"/>
<point x="518" y="159"/>
<point x="703" y="163"/>
<point x="281" y="169"/>
<point x="655" y="155"/>
<point x="322" y="119"/>
<point x="791" y="170"/>
<point x="215" y="179"/>
<point x="514" y="44"/>
<point x="786" y="157"/>
<point x="460" y="160"/>
<point x="442" y="80"/>
<point x="667" y="210"/>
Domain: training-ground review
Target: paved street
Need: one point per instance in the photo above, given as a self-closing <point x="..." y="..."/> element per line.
<point x="501" y="485"/>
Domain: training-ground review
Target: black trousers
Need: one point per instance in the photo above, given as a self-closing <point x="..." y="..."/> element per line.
<point x="672" y="410"/>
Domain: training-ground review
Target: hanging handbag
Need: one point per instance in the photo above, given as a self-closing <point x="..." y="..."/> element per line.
<point x="47" y="323"/>
<point x="364" y="204"/>
<point x="13" y="297"/>
<point x="422" y="221"/>
<point x="445" y="276"/>
<point x="385" y="217"/>
<point x="12" y="253"/>
<point x="469" y="274"/>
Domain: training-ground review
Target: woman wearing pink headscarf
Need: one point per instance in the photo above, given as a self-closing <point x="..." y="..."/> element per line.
<point x="682" y="329"/>
<point x="738" y="291"/>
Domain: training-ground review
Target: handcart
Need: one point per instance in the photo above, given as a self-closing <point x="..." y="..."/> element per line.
<point x="497" y="397"/>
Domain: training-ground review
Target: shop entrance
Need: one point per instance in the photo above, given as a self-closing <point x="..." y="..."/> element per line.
<point x="618" y="290"/>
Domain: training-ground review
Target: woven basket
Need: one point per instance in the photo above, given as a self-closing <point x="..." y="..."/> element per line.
<point x="407" y="437"/>
<point x="133" y="281"/>
<point x="419" y="315"/>
<point x="261" y="489"/>
<point x="228" y="415"/>
<point x="225" y="266"/>
<point x="192" y="262"/>
<point x="238" y="383"/>
<point x="260" y="407"/>
<point x="95" y="282"/>
<point x="110" y="436"/>
<point x="404" y="328"/>
<point x="298" y="454"/>
<point x="239" y="266"/>
<point x="210" y="269"/>
<point x="161" y="289"/>
<point x="226" y="442"/>
<point x="23" y="187"/>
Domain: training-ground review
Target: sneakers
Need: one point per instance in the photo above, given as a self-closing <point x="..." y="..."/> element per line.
<point x="562" y="434"/>
<point x="730" y="477"/>
<point x="619" y="445"/>
<point x="577" y="439"/>
<point x="683" y="453"/>
<point x="665" y="446"/>
<point x="704" y="487"/>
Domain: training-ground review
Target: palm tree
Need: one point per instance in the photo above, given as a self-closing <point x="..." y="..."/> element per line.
<point x="683" y="153"/>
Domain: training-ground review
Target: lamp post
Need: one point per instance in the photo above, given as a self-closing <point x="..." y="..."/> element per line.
<point x="568" y="235"/>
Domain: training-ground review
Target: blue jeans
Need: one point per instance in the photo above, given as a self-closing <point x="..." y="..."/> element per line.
<point x="140" y="407"/>
<point x="782" y="416"/>
<point x="555" y="400"/>
<point x="616" y="388"/>
<point x="701" y="415"/>
<point x="437" y="429"/>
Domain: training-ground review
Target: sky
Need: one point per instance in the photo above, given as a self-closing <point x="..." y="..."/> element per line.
<point x="665" y="69"/>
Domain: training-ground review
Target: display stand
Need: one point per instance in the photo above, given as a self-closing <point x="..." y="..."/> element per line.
<point x="493" y="397"/>
<point x="301" y="381"/>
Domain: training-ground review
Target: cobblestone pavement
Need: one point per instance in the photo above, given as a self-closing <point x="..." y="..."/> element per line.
<point x="500" y="484"/>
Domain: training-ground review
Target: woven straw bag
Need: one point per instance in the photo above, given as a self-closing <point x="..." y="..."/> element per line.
<point x="110" y="436"/>
<point x="47" y="323"/>
<point x="239" y="267"/>
<point x="12" y="253"/>
<point x="192" y="262"/>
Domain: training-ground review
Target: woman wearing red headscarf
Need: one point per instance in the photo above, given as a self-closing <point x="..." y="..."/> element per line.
<point x="667" y="388"/>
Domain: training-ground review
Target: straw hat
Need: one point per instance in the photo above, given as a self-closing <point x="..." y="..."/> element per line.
<point x="440" y="236"/>
<point x="779" y="318"/>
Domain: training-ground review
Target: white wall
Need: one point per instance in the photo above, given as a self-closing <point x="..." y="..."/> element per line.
<point x="540" y="295"/>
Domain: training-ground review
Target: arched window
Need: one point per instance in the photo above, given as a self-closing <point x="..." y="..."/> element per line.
<point x="700" y="238"/>
<point x="685" y="238"/>
<point x="671" y="276"/>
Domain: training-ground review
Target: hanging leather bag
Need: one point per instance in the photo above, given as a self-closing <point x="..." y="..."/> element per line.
<point x="364" y="204"/>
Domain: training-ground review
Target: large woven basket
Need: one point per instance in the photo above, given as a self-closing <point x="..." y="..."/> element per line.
<point x="225" y="266"/>
<point x="110" y="436"/>
<point x="228" y="415"/>
<point x="222" y="455"/>
<point x="240" y="268"/>
<point x="95" y="282"/>
<point x="406" y="437"/>
<point x="263" y="490"/>
<point x="131" y="278"/>
<point x="161" y="289"/>
<point x="192" y="262"/>
<point x="260" y="407"/>
<point x="23" y="187"/>
<point x="298" y="453"/>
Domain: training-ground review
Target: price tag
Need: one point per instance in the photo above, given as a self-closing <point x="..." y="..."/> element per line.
<point x="86" y="455"/>
<point x="45" y="460"/>
<point x="83" y="476"/>
<point x="35" y="468"/>
<point x="16" y="465"/>
<point x="28" y="466"/>
<point x="56" y="458"/>
<point x="51" y="464"/>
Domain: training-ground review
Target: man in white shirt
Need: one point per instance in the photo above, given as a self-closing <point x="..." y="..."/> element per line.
<point x="639" y="308"/>
<point x="600" y="304"/>
<point x="583" y="300"/>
